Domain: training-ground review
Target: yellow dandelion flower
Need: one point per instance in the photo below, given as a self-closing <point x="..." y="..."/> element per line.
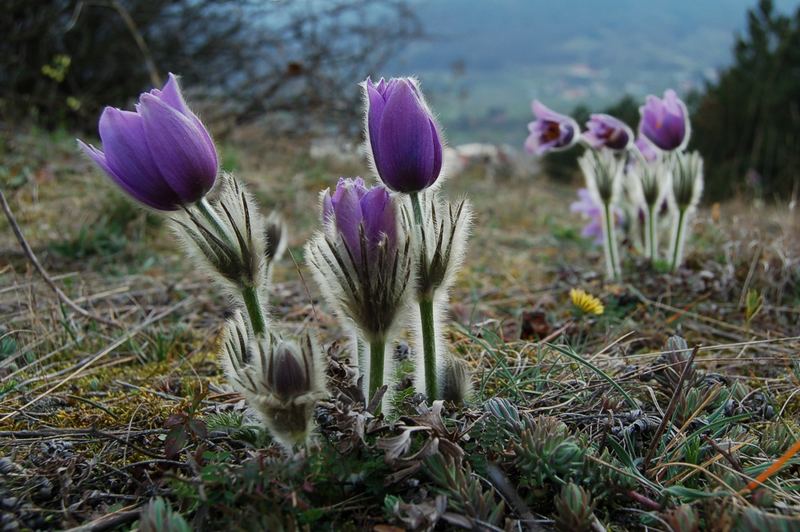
<point x="586" y="302"/>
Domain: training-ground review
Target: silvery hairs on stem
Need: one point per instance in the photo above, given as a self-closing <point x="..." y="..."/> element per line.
<point x="281" y="380"/>
<point x="685" y="194"/>
<point x="687" y="180"/>
<point x="369" y="293"/>
<point x="439" y="245"/>
<point x="229" y="240"/>
<point x="603" y="172"/>
<point x="648" y="182"/>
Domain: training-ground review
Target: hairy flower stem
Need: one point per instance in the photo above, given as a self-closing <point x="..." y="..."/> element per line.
<point x="377" y="350"/>
<point x="249" y="293"/>
<point x="253" y="305"/>
<point x="651" y="233"/>
<point x="429" y="347"/>
<point x="679" y="236"/>
<point x="427" y="322"/>
<point x="417" y="209"/>
<point x="610" y="241"/>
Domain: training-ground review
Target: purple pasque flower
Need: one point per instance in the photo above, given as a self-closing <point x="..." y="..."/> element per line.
<point x="161" y="154"/>
<point x="404" y="139"/>
<point x="550" y="131"/>
<point x="605" y="131"/>
<point x="665" y="122"/>
<point x="592" y="211"/>
<point x="361" y="216"/>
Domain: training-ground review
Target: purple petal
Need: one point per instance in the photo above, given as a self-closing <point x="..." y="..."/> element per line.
<point x="375" y="107"/>
<point x="347" y="208"/>
<point x="171" y="95"/>
<point x="179" y="148"/>
<point x="405" y="140"/>
<point x="541" y="111"/>
<point x="128" y="161"/>
<point x="379" y="219"/>
<point x="437" y="154"/>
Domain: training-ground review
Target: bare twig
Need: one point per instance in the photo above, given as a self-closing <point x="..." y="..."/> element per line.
<point x="64" y="298"/>
<point x="673" y="403"/>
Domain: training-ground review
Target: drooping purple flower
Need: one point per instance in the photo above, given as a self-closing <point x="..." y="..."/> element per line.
<point x="404" y="139"/>
<point x="605" y="131"/>
<point x="646" y="149"/>
<point x="361" y="215"/>
<point x="665" y="122"/>
<point x="550" y="131"/>
<point x="591" y="211"/>
<point x="161" y="154"/>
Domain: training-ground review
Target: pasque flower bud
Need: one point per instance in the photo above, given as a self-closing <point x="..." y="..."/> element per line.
<point x="280" y="379"/>
<point x="161" y="154"/>
<point x="403" y="137"/>
<point x="275" y="230"/>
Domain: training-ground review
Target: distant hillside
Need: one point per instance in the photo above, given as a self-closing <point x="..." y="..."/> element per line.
<point x="486" y="60"/>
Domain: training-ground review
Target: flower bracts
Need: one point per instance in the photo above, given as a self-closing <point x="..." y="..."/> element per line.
<point x="281" y="379"/>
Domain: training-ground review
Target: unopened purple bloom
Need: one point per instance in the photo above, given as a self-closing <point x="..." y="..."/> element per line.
<point x="646" y="149"/>
<point x="161" y="155"/>
<point x="605" y="131"/>
<point x="590" y="210"/>
<point x="665" y="122"/>
<point x="361" y="215"/>
<point x="288" y="373"/>
<point x="403" y="136"/>
<point x="550" y="131"/>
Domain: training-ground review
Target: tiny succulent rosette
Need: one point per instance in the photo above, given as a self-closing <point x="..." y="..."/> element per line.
<point x="404" y="141"/>
<point x="362" y="264"/>
<point x="551" y="131"/>
<point x="161" y="154"/>
<point x="605" y="131"/>
<point x="665" y="122"/>
<point x="282" y="380"/>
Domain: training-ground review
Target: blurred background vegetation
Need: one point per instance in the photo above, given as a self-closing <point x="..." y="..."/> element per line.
<point x="289" y="68"/>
